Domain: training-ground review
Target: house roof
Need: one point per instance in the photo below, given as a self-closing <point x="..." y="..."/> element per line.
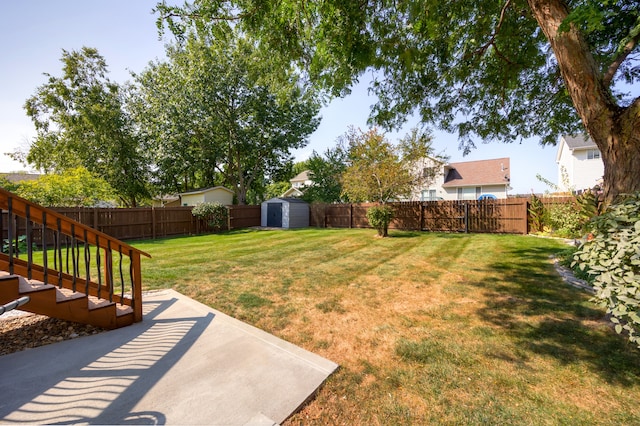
<point x="301" y="177"/>
<point x="578" y="142"/>
<point x="574" y="142"/>
<point x="19" y="177"/>
<point x="292" y="192"/>
<point x="477" y="173"/>
<point x="202" y="190"/>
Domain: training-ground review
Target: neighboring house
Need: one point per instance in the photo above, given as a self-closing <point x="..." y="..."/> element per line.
<point x="166" y="201"/>
<point x="579" y="162"/>
<point x="298" y="184"/>
<point x="20" y="177"/>
<point x="218" y="194"/>
<point x="468" y="180"/>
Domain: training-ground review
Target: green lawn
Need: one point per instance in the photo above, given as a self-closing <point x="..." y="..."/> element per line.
<point x="427" y="328"/>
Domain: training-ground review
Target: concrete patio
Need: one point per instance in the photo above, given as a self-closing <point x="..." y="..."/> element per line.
<point x="184" y="364"/>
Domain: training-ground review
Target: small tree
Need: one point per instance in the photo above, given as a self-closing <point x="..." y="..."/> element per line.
<point x="380" y="217"/>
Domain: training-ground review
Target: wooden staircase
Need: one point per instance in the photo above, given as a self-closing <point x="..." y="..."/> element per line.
<point x="69" y="270"/>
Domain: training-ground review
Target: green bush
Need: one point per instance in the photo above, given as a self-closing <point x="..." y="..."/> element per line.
<point x="536" y="214"/>
<point x="565" y="220"/>
<point x="611" y="256"/>
<point x="215" y="214"/>
<point x="380" y="217"/>
<point x="20" y="247"/>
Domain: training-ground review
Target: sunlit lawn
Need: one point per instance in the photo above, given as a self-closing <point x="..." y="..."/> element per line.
<point x="427" y="328"/>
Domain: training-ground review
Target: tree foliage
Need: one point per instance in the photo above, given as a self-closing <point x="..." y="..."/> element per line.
<point x="80" y="120"/>
<point x="326" y="173"/>
<point x="216" y="116"/>
<point x="494" y="70"/>
<point x="75" y="187"/>
<point x="378" y="171"/>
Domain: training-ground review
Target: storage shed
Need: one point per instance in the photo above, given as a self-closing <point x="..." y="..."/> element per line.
<point x="285" y="213"/>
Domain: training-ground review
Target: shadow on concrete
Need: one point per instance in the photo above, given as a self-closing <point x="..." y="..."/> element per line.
<point x="97" y="379"/>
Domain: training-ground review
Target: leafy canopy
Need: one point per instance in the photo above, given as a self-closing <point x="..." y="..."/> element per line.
<point x="479" y="67"/>
<point x="81" y="121"/>
<point x="75" y="187"/>
<point x="214" y="115"/>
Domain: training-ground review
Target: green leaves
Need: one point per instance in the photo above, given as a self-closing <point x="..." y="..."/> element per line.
<point x="612" y="258"/>
<point x="215" y="214"/>
<point x="81" y="120"/>
<point x="218" y="115"/>
<point x="380" y="217"/>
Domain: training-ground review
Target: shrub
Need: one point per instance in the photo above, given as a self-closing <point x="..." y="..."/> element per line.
<point x="215" y="214"/>
<point x="565" y="220"/>
<point x="380" y="217"/>
<point x="19" y="247"/>
<point x="611" y="256"/>
<point x="536" y="214"/>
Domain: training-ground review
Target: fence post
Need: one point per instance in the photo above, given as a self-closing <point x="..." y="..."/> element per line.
<point x="350" y="215"/>
<point x="153" y="222"/>
<point x="466" y="217"/>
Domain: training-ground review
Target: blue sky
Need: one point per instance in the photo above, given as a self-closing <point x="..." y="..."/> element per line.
<point x="34" y="32"/>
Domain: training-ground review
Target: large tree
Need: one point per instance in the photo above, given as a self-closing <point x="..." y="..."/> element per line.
<point x="80" y="120"/>
<point x="497" y="70"/>
<point x="217" y="114"/>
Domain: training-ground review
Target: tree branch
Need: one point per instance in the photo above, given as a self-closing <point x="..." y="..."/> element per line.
<point x="624" y="50"/>
<point x="482" y="49"/>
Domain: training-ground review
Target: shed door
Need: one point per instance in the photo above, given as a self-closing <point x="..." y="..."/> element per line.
<point x="274" y="215"/>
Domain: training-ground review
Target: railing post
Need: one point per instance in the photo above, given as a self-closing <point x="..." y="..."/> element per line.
<point x="137" y="286"/>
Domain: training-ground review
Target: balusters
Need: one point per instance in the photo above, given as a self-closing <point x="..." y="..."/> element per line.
<point x="44" y="247"/>
<point x="73" y="257"/>
<point x="10" y="233"/>
<point x="109" y="269"/>
<point x="59" y="250"/>
<point x="87" y="262"/>
<point x="29" y="243"/>
<point x="121" y="275"/>
<point x="98" y="264"/>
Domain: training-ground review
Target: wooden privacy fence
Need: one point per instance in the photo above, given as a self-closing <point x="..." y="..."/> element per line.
<point x="508" y="216"/>
<point x="146" y="223"/>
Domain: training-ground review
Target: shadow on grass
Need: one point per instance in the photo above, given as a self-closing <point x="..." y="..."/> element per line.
<point x="547" y="317"/>
<point x="404" y="234"/>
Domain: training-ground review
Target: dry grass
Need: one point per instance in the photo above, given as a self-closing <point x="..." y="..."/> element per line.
<point x="427" y="328"/>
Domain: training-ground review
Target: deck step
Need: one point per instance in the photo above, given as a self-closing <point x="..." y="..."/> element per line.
<point x="65" y="295"/>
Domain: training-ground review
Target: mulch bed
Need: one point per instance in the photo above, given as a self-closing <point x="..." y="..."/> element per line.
<point x="22" y="330"/>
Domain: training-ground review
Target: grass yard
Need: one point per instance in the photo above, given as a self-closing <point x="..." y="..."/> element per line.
<point x="427" y="328"/>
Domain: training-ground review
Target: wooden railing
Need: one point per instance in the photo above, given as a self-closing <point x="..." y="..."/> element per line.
<point x="58" y="250"/>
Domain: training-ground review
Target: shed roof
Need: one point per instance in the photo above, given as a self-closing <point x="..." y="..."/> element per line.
<point x="475" y="173"/>
<point x="202" y="190"/>
<point x="292" y="200"/>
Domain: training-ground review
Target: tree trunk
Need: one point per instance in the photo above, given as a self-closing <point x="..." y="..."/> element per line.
<point x="614" y="129"/>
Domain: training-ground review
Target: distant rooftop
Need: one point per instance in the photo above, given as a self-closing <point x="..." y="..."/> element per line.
<point x="20" y="177"/>
<point x="578" y="141"/>
<point x="477" y="173"/>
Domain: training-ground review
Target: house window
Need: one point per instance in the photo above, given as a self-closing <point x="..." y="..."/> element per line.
<point x="460" y="194"/>
<point x="593" y="154"/>
<point x="428" y="195"/>
<point x="478" y="191"/>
